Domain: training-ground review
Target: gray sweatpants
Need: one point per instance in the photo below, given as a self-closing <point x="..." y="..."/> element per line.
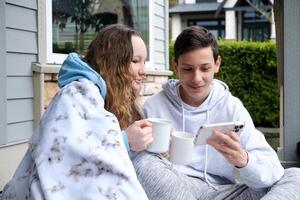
<point x="162" y="182"/>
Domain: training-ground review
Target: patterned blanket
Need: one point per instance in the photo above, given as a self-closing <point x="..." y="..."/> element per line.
<point x="76" y="153"/>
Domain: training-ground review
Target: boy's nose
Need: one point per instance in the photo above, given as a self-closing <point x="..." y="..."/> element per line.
<point x="197" y="76"/>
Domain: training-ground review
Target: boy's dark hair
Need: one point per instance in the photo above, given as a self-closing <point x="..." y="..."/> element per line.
<point x="195" y="37"/>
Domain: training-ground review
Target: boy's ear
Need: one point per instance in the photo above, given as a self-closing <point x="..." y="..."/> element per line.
<point x="218" y="64"/>
<point x="175" y="66"/>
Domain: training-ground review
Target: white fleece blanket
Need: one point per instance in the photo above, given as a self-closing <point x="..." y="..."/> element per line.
<point x="77" y="152"/>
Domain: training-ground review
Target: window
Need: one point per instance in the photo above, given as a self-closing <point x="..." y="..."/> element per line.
<point x="255" y="27"/>
<point x="215" y="26"/>
<point x="72" y="24"/>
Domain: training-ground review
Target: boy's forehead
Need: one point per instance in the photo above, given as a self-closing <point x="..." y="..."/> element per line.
<point x="200" y="49"/>
<point x="205" y="52"/>
<point x="196" y="57"/>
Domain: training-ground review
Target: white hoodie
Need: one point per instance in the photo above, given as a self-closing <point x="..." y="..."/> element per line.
<point x="263" y="168"/>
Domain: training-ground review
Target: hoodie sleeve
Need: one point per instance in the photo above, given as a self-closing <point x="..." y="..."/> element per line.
<point x="153" y="106"/>
<point x="263" y="168"/>
<point x="125" y="140"/>
<point x="78" y="152"/>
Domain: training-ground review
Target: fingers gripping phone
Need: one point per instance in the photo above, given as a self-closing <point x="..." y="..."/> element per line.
<point x="205" y="131"/>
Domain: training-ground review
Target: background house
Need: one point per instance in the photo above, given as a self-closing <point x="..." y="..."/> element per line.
<point x="226" y="19"/>
<point x="34" y="37"/>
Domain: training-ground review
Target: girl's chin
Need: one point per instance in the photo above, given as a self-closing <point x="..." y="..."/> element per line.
<point x="136" y="87"/>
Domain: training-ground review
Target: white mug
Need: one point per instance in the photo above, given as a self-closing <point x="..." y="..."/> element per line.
<point x="182" y="145"/>
<point x="161" y="130"/>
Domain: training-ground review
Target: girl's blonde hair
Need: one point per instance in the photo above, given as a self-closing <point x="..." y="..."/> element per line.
<point x="111" y="54"/>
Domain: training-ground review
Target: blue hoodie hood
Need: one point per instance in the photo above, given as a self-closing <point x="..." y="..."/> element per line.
<point x="74" y="68"/>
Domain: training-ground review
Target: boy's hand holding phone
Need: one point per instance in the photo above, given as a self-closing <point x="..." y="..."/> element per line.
<point x="229" y="146"/>
<point x="205" y="131"/>
<point x="224" y="137"/>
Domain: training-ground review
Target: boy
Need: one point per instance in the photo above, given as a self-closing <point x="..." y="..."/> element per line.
<point x="228" y="166"/>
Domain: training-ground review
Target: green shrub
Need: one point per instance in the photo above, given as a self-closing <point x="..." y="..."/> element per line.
<point x="250" y="71"/>
<point x="171" y="57"/>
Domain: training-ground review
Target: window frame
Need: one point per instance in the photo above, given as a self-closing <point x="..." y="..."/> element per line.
<point x="255" y="23"/>
<point x="58" y="58"/>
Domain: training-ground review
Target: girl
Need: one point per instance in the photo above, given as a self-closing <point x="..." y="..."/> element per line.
<point x="78" y="151"/>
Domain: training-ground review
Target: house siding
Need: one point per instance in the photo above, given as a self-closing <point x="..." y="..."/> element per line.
<point x="20" y="50"/>
<point x="291" y="81"/>
<point x="24" y="3"/>
<point x="2" y="74"/>
<point x="160" y="35"/>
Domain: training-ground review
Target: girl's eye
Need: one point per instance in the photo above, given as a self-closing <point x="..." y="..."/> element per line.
<point x="187" y="69"/>
<point x="135" y="61"/>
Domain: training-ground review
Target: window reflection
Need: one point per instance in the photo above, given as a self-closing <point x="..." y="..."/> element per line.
<point x="76" y="22"/>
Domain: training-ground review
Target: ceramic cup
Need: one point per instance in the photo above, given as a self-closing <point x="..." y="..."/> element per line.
<point x="181" y="150"/>
<point x="161" y="130"/>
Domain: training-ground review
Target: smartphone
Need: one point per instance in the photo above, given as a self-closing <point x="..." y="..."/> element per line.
<point x="205" y="131"/>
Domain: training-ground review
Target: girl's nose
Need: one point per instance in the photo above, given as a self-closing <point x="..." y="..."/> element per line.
<point x="142" y="70"/>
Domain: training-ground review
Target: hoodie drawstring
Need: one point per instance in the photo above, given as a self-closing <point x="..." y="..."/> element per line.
<point x="205" y="169"/>
<point x="183" y="118"/>
<point x="206" y="147"/>
<point x="206" y="160"/>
